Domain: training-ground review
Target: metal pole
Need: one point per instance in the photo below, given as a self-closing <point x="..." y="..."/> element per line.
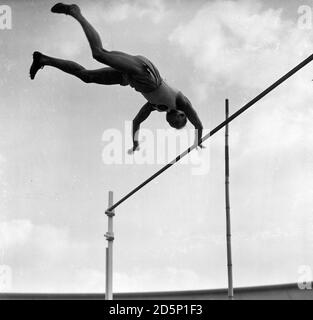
<point x="218" y="128"/>
<point x="109" y="251"/>
<point x="227" y="198"/>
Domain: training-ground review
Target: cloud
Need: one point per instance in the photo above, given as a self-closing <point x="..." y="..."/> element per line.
<point x="246" y="47"/>
<point x="123" y="10"/>
<point x="65" y="43"/>
<point x="47" y="240"/>
<point x="40" y="250"/>
<point x="46" y="254"/>
<point x="241" y="47"/>
<point x="89" y="280"/>
<point x="69" y="41"/>
<point x="3" y="186"/>
<point x="2" y="159"/>
<point x="240" y="43"/>
<point x="159" y="279"/>
<point x="70" y="49"/>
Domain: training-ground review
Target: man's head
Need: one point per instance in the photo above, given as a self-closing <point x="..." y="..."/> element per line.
<point x="176" y="119"/>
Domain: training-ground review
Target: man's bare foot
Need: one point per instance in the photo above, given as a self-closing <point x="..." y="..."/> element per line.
<point x="36" y="65"/>
<point x="68" y="9"/>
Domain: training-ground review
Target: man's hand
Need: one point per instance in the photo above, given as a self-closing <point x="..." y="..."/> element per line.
<point x="198" y="137"/>
<point x="140" y="117"/>
<point x="133" y="149"/>
<point x="184" y="105"/>
<point x="200" y="146"/>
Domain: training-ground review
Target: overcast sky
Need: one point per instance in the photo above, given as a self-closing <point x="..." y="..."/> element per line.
<point x="54" y="178"/>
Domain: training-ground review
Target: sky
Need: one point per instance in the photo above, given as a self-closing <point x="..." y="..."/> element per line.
<point x="57" y="135"/>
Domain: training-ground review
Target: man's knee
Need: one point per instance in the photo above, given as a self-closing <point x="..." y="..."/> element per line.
<point x="85" y="76"/>
<point x="98" y="53"/>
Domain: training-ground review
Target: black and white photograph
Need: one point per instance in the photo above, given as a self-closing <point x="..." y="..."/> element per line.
<point x="156" y="150"/>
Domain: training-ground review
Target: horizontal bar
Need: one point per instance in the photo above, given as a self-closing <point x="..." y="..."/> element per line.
<point x="218" y="128"/>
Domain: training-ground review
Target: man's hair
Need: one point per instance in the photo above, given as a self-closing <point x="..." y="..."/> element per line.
<point x="174" y="122"/>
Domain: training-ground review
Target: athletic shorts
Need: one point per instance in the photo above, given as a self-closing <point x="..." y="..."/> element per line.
<point x="146" y="81"/>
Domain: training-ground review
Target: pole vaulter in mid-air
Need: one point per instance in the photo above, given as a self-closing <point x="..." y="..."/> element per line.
<point x="124" y="69"/>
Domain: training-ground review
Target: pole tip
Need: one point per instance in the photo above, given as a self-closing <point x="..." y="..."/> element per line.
<point x="110" y="213"/>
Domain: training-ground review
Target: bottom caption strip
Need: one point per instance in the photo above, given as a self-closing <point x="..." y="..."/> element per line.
<point x="155" y="310"/>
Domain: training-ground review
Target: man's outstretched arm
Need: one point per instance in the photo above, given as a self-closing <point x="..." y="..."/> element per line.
<point x="185" y="105"/>
<point x="142" y="115"/>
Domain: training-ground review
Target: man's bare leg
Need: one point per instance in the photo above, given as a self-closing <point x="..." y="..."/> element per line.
<point x="105" y="76"/>
<point x="118" y="60"/>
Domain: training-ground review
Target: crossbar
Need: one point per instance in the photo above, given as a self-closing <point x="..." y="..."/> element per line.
<point x="218" y="128"/>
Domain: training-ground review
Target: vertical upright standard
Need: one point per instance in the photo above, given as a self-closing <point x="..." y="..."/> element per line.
<point x="227" y="199"/>
<point x="109" y="252"/>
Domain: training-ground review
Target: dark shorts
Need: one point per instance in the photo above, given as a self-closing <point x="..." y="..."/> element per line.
<point x="146" y="81"/>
